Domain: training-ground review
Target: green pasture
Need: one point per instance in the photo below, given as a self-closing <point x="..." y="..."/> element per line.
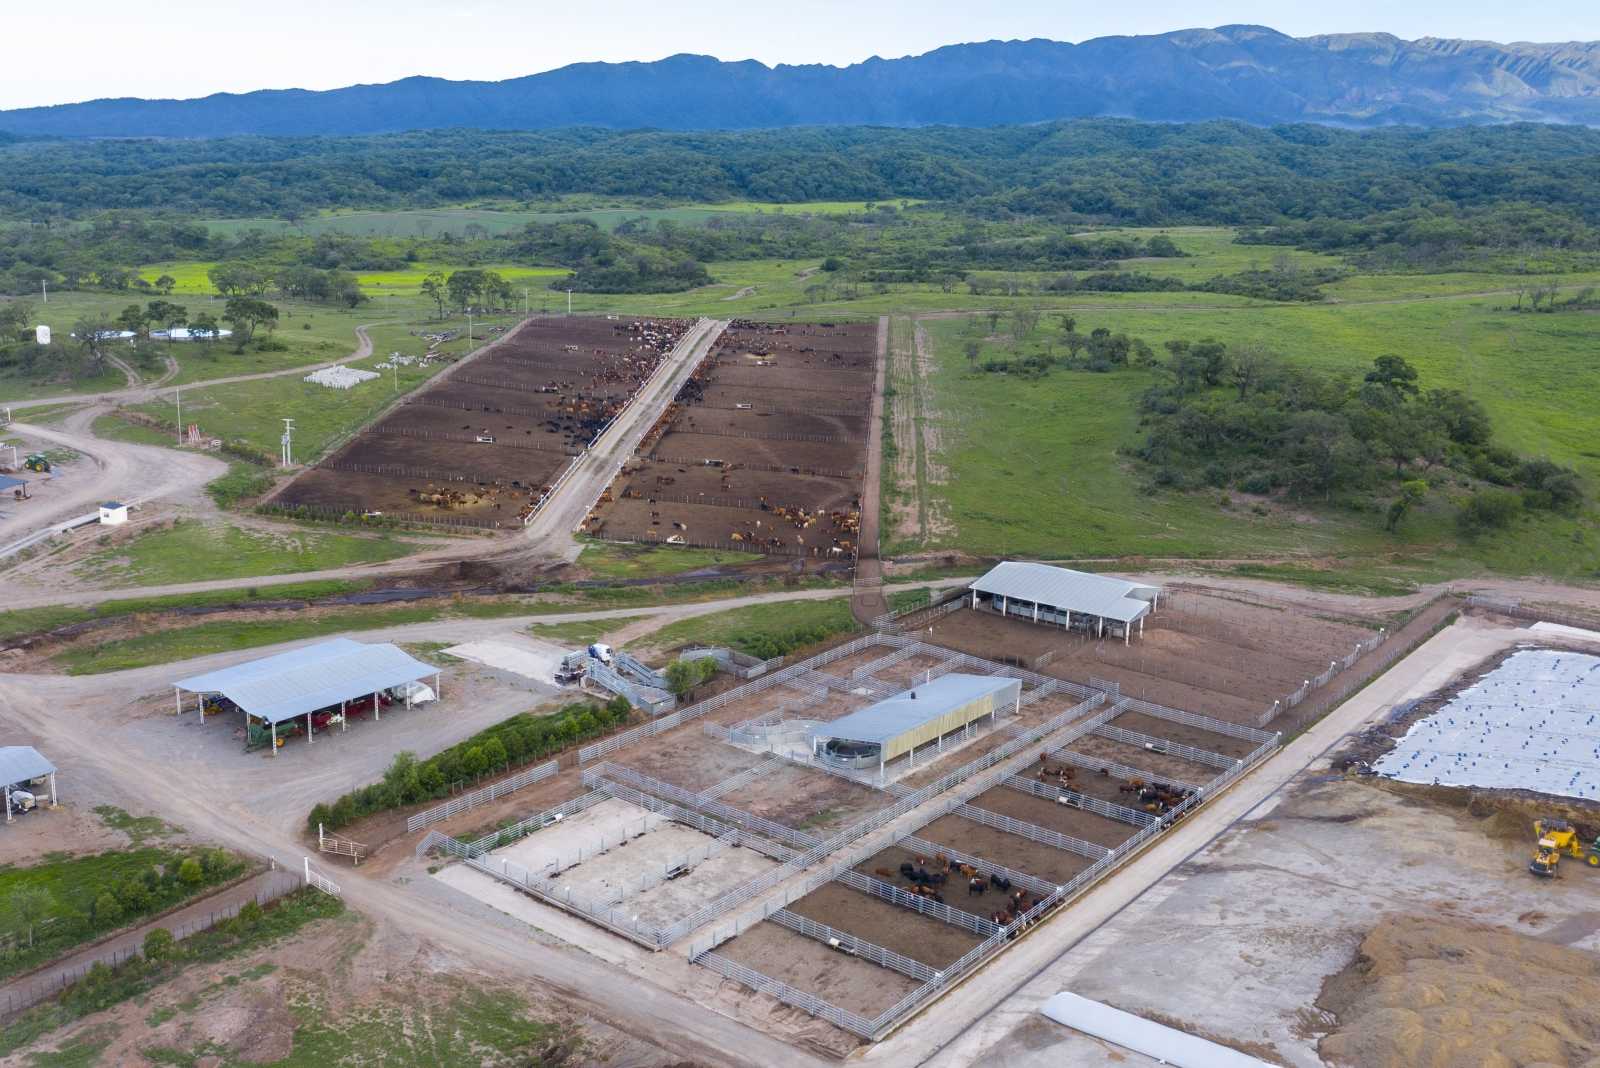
<point x="177" y="553"/>
<point x="615" y="560"/>
<point x="1036" y="467"/>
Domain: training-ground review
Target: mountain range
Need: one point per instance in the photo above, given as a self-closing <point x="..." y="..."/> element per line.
<point x="1248" y="73"/>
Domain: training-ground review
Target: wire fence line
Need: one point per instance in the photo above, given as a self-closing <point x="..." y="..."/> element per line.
<point x="1121" y="771"/>
<point x="23" y="993"/>
<point x="465" y="802"/>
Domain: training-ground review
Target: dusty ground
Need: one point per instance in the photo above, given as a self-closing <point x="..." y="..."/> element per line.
<point x="910" y="934"/>
<point x="1442" y="993"/>
<point x="1003" y="848"/>
<point x="1133" y="756"/>
<point x="809" y="800"/>
<point x="1202" y="653"/>
<point x="806" y="964"/>
<point x="1072" y="822"/>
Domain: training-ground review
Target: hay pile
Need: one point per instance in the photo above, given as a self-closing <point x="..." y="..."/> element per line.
<point x="1431" y="993"/>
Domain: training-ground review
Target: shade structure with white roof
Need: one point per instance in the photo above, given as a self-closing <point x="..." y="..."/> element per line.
<point x="1043" y="593"/>
<point x="898" y="724"/>
<point x="22" y="764"/>
<point x="302" y="682"/>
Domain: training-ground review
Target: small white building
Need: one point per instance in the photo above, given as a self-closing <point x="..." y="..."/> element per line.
<point x="113" y="514"/>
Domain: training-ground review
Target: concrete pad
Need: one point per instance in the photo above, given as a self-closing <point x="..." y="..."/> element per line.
<point x="528" y="657"/>
<point x="708" y="880"/>
<point x="578" y="837"/>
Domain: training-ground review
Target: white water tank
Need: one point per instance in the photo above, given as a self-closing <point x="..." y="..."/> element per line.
<point x="41" y="334"/>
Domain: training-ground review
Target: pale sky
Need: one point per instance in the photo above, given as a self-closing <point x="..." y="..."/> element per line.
<point x="86" y="49"/>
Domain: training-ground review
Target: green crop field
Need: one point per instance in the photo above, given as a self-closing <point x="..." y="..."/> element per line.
<point x="191" y="277"/>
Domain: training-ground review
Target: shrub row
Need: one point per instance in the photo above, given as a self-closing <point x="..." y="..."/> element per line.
<point x="522" y="739"/>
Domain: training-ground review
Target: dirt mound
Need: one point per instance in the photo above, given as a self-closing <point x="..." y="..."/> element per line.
<point x="1432" y="993"/>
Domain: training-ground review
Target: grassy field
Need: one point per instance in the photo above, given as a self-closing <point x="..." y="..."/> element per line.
<point x="86" y="896"/>
<point x="179" y="643"/>
<point x="762" y="630"/>
<point x="21" y="621"/>
<point x="254" y="411"/>
<point x="178" y="552"/>
<point x="611" y="560"/>
<point x="1035" y="466"/>
<point x="580" y="631"/>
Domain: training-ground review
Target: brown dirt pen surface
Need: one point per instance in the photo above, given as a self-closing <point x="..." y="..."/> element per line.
<point x="1106" y="788"/>
<point x="1145" y="760"/>
<point x="957" y="891"/>
<point x="1205" y="654"/>
<point x="542" y="395"/>
<point x="804" y="963"/>
<point x="692" y="761"/>
<point x="910" y="934"/>
<point x="1442" y="993"/>
<point x="1073" y="822"/>
<point x="1183" y="734"/>
<point x="808" y="800"/>
<point x="1008" y="850"/>
<point x="775" y="420"/>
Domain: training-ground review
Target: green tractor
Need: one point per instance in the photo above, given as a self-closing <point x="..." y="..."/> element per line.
<point x="37" y="462"/>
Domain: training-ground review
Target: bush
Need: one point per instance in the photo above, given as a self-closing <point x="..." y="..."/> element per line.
<point x="190" y="873"/>
<point x="107" y="909"/>
<point x="1488" y="510"/>
<point x="159" y="943"/>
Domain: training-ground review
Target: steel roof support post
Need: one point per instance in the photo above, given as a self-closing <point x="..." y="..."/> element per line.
<point x="308" y="728"/>
<point x="177" y="704"/>
<point x="52" y="789"/>
<point x="438" y="689"/>
<point x="274" y="737"/>
<point x="9" y="817"/>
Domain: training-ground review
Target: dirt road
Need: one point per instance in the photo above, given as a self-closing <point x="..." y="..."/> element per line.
<point x="550" y="533"/>
<point x="124" y="472"/>
<point x="869" y="601"/>
<point x="140" y="392"/>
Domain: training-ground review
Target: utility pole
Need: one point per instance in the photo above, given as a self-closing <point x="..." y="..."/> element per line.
<point x="178" y="393"/>
<point x="569" y="302"/>
<point x="469" y="327"/>
<point x="44" y="287"/>
<point x="524" y="302"/>
<point x="288" y="442"/>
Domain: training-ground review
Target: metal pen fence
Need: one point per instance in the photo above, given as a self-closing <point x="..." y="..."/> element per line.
<point x="614" y="773"/>
<point x="468" y="801"/>
<point x="855" y="1023"/>
<point x="868" y="884"/>
<point x="1165" y="747"/>
<point x="853" y="945"/>
<point x="1119" y="770"/>
<point x="987" y="868"/>
<point x="1073" y="799"/>
<point x="1031" y="831"/>
<point x="22" y="994"/>
<point x="780" y="469"/>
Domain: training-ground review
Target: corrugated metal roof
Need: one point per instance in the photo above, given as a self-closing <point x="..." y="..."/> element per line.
<point x="19" y="763"/>
<point x="7" y="482"/>
<point x="1165" y="1044"/>
<point x="1075" y="591"/>
<point x="291" y="684"/>
<point x="894" y="716"/>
